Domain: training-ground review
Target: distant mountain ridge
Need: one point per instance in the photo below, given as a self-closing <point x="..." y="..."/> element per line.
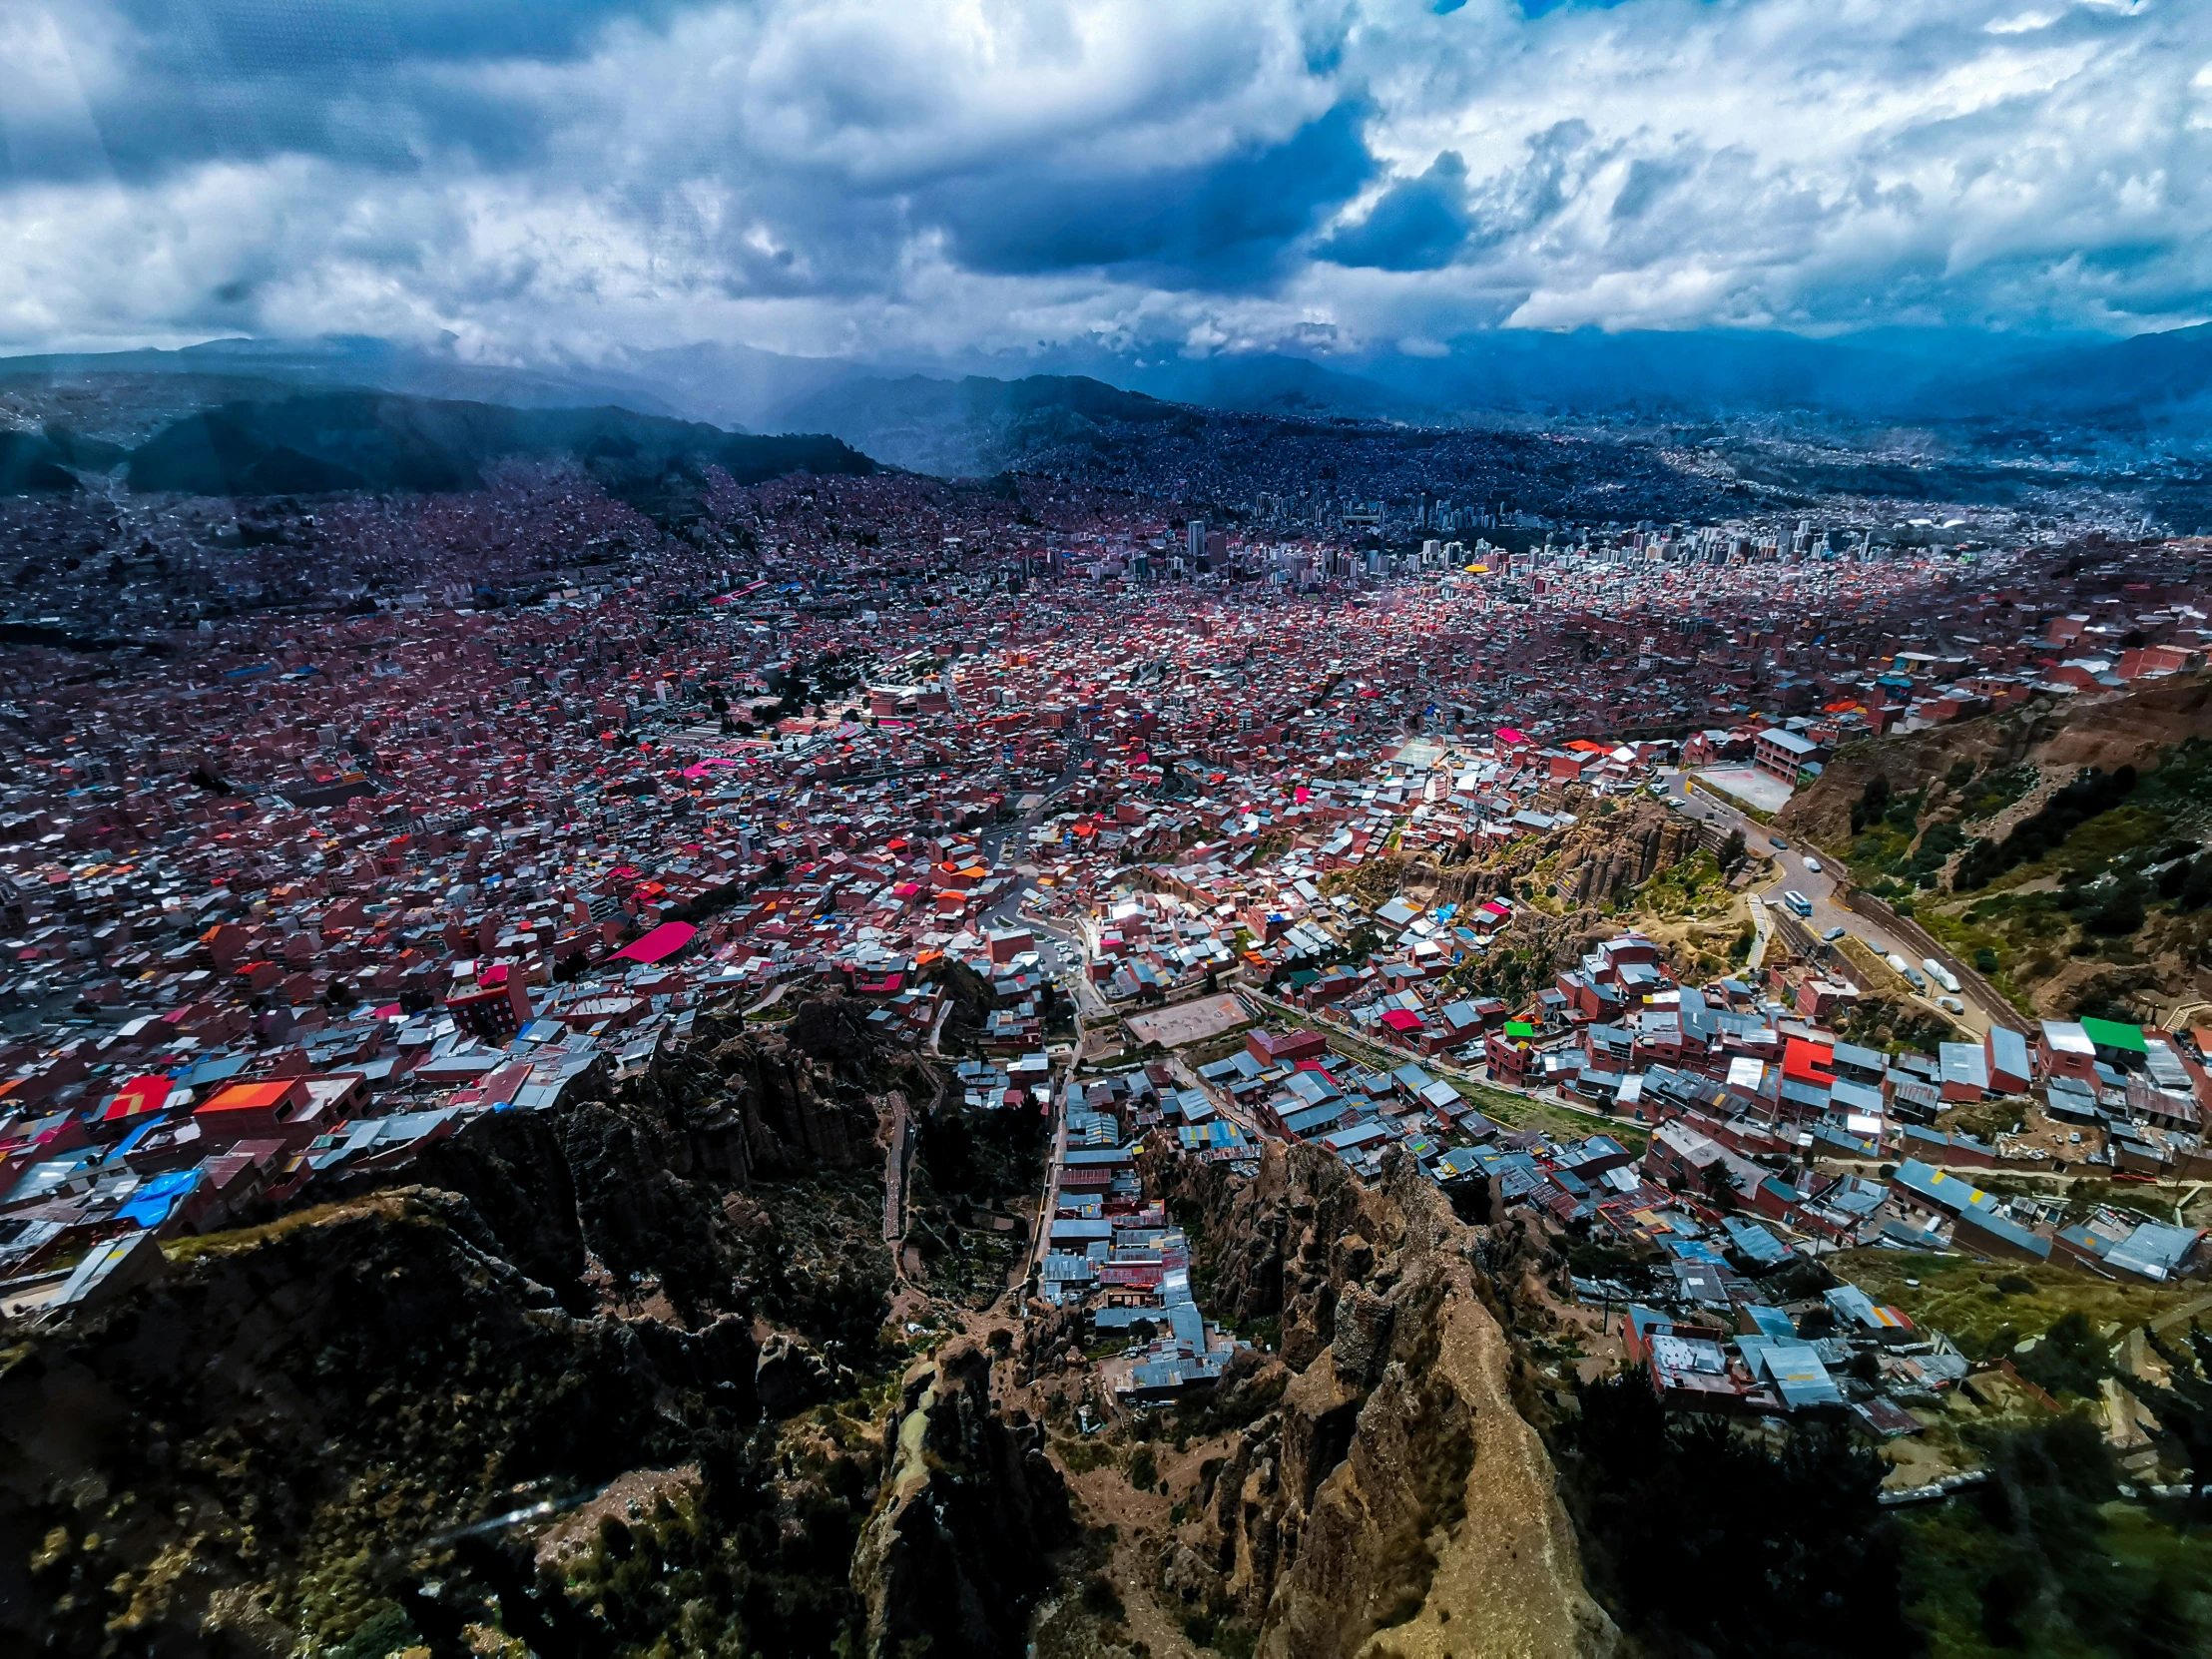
<point x="342" y="362"/>
<point x="977" y="425"/>
<point x="2164" y="378"/>
<point x="937" y="417"/>
<point x="322" y="441"/>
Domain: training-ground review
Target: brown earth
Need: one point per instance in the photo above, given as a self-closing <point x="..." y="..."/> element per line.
<point x="1385" y="1492"/>
<point x="2131" y="728"/>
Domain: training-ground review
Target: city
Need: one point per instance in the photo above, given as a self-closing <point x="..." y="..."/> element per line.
<point x="1162" y="856"/>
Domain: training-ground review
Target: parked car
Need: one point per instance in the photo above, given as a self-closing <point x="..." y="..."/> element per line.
<point x="1832" y="935"/>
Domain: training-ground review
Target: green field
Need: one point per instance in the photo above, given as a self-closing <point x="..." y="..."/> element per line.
<point x="1961" y="1295"/>
<point x="1519" y="1112"/>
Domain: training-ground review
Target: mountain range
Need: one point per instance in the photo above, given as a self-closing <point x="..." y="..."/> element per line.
<point x="215" y="415"/>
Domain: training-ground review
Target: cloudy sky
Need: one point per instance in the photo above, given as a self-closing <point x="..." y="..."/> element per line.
<point x="914" y="177"/>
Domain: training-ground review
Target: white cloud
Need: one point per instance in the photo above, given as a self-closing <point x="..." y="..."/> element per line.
<point x="949" y="175"/>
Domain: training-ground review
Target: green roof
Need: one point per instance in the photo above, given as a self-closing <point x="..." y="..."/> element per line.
<point x="1519" y="1029"/>
<point x="2106" y="1034"/>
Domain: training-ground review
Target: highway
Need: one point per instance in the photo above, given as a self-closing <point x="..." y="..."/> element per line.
<point x="1821" y="889"/>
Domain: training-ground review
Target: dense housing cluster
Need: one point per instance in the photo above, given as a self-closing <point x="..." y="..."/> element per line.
<point x="296" y="888"/>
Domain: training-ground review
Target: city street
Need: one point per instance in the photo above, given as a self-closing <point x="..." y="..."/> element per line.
<point x="1820" y="888"/>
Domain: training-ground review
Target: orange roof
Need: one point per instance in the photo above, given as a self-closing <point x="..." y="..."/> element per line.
<point x="251" y="1097"/>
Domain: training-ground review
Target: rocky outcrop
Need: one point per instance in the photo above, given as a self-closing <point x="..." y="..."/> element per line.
<point x="785" y="1109"/>
<point x="633" y="1180"/>
<point x="1392" y="1497"/>
<point x="2132" y="728"/>
<point x="1595" y="861"/>
<point x="955" y="1554"/>
<point x="512" y="1171"/>
<point x="792" y="1373"/>
<point x="261" y="1441"/>
<point x="1602" y="859"/>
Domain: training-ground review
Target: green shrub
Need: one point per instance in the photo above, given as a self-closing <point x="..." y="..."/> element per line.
<point x="2089" y="795"/>
<point x="1144" y="1471"/>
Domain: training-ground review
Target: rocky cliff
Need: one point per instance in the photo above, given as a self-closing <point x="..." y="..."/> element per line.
<point x="1594" y="860"/>
<point x="957" y="1549"/>
<point x="1386" y="1495"/>
<point x="300" y="1437"/>
<point x="256" y="1450"/>
<point x="2131" y="728"/>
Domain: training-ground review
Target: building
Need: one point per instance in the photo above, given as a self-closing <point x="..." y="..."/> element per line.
<point x="1783" y="755"/>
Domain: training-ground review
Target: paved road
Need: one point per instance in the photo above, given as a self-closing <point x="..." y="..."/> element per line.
<point x="1820" y="886"/>
<point x="992" y="839"/>
<point x="894" y="1181"/>
<point x="1041" y="1235"/>
<point x="1058" y="948"/>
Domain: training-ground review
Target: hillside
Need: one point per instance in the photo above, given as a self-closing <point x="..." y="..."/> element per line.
<point x="126" y="395"/>
<point x="43" y="462"/>
<point x="675" y="1379"/>
<point x="381" y="441"/>
<point x="977" y="426"/>
<point x="660" y="1313"/>
<point x="2149" y="378"/>
<point x="2060" y="846"/>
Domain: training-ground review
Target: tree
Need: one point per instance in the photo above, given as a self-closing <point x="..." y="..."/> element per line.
<point x="1761" y="1552"/>
<point x="2070" y="1358"/>
<point x="1872" y="802"/>
<point x="2184" y="1406"/>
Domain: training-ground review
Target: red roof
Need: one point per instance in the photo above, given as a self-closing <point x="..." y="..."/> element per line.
<point x="1402" y="1020"/>
<point x="140" y="1095"/>
<point x="255" y="1097"/>
<point x="660" y="944"/>
<point x="1804" y="1063"/>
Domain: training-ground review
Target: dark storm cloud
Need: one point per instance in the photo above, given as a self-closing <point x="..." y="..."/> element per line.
<point x="1226" y="220"/>
<point x="855" y="175"/>
<point x="1417" y="224"/>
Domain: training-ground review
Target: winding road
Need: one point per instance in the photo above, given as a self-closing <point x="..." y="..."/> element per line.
<point x="1825" y="895"/>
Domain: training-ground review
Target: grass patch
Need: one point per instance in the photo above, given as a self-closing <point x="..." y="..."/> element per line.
<point x="1519" y="1112"/>
<point x="1079" y="1457"/>
<point x="389" y="1207"/>
<point x="1694" y="888"/>
<point x="2011" y="931"/>
<point x="1965" y="1299"/>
